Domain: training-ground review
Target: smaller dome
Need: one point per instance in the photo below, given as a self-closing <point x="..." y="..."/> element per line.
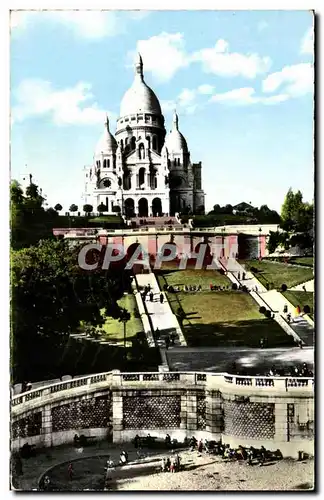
<point x="107" y="144"/>
<point x="175" y="142"/>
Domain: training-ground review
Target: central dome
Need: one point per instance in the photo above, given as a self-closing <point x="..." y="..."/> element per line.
<point x="140" y="98"/>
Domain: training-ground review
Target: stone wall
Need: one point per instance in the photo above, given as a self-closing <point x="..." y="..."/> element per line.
<point x="275" y="412"/>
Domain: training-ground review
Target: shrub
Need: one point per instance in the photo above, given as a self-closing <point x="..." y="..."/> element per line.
<point x="254" y="270"/>
<point x="234" y="286"/>
<point x="244" y="289"/>
<point x="262" y="310"/>
<point x="268" y="314"/>
<point x="283" y="287"/>
<point x="306" y="309"/>
<point x="221" y="271"/>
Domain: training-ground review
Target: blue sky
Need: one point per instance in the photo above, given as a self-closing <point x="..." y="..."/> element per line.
<point x="242" y="83"/>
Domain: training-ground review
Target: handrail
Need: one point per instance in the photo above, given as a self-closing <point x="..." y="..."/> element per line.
<point x="284" y="383"/>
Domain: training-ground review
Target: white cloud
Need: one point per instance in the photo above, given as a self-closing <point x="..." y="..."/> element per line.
<point x="186" y="96"/>
<point x="87" y="24"/>
<point x="297" y="80"/>
<point x="262" y="25"/>
<point x="246" y="96"/>
<point x="206" y="89"/>
<point x="65" y="107"/>
<point x="90" y="24"/>
<point x="220" y="61"/>
<point x="307" y="44"/>
<point x="163" y="54"/>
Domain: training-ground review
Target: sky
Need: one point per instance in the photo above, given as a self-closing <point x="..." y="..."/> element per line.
<point x="242" y="84"/>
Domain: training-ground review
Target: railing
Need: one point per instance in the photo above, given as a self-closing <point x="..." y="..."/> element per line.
<point x="116" y="378"/>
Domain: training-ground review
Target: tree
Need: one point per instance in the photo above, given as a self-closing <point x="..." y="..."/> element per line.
<point x="58" y="207"/>
<point x="51" y="296"/>
<point x="30" y="222"/>
<point x="102" y="208"/>
<point x="291" y="209"/>
<point x="87" y="209"/>
<point x="73" y="208"/>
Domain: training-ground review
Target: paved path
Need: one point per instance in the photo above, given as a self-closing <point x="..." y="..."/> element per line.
<point x="160" y="314"/>
<point x="218" y="359"/>
<point x="309" y="285"/>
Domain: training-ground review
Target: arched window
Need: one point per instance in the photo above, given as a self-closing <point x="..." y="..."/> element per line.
<point x="141" y="152"/>
<point x="154" y="143"/>
<point x="133" y="142"/>
<point x="108" y="163"/>
<point x="98" y="164"/>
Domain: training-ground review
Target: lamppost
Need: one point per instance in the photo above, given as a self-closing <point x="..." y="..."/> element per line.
<point x="124" y="317"/>
<point x="260" y="229"/>
<point x="223" y="241"/>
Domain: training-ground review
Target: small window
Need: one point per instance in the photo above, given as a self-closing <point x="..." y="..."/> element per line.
<point x="108" y="163"/>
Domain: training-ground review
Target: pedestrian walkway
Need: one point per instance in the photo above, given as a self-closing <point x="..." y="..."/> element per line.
<point x="161" y="315"/>
<point x="308" y="286"/>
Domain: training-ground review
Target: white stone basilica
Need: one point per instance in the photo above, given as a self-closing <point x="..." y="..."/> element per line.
<point x="143" y="171"/>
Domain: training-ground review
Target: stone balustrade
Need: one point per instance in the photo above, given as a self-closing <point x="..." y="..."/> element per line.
<point x="277" y="412"/>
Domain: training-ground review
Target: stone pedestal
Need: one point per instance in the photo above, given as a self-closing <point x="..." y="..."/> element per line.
<point x="117" y="416"/>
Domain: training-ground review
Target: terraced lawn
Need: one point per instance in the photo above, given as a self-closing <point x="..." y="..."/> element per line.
<point x="187" y="277"/>
<point x="299" y="298"/>
<point x="222" y="318"/>
<point x="113" y="330"/>
<point x="276" y="273"/>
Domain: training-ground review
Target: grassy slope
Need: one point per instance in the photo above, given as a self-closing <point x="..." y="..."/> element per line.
<point x="277" y="273"/>
<point x="224" y="318"/>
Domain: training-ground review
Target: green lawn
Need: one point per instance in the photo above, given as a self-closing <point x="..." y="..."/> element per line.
<point x="196" y="277"/>
<point x="114" y="330"/>
<point x="223" y="318"/>
<point x="301" y="299"/>
<point x="304" y="261"/>
<point x="276" y="273"/>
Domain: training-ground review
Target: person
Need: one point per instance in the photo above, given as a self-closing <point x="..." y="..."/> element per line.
<point x="172" y="466"/>
<point x="157" y="334"/>
<point x="172" y="338"/>
<point x="263" y="455"/>
<point x="250" y="456"/>
<point x="200" y="446"/>
<point x="167" y="342"/>
<point x="151" y="296"/>
<point x="288" y="317"/>
<point x="70" y="471"/>
<point x="161" y="298"/>
<point x="304" y="288"/>
<point x="300" y="343"/>
<point x="136" y="440"/>
<point x="122" y="458"/>
<point x="177" y="462"/>
<point x="298" y="309"/>
<point x="243" y="277"/>
<point x="163" y="464"/>
<point x="47" y="482"/>
<point x="285" y="309"/>
<point x="261" y="343"/>
<point x="167" y="464"/>
<point x="199" y="288"/>
<point x="167" y="440"/>
<point x="239" y="275"/>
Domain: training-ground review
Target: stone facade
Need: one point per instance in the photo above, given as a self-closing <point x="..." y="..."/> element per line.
<point x="275" y="412"/>
<point x="142" y="171"/>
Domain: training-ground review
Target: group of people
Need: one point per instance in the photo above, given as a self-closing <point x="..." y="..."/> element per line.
<point x="148" y="292"/>
<point x="226" y="452"/>
<point x="171" y="464"/>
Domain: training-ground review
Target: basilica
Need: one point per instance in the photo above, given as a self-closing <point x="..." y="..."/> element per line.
<point x="142" y="170"/>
